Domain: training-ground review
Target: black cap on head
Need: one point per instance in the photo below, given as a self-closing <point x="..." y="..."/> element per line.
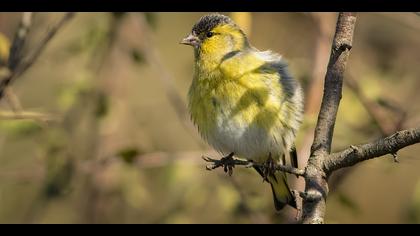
<point x="208" y="22"/>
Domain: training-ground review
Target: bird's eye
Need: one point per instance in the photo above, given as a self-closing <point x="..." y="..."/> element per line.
<point x="209" y="34"/>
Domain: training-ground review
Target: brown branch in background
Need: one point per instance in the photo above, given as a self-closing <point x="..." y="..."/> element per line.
<point x="405" y="21"/>
<point x="13" y="100"/>
<point x="93" y="204"/>
<point x="152" y="56"/>
<point x="17" y="63"/>
<point x="255" y="217"/>
<point x="376" y="111"/>
<point x="380" y="112"/>
<point x="26" y="115"/>
<point x="324" y="23"/>
<point x="16" y="52"/>
<point x="19" y="40"/>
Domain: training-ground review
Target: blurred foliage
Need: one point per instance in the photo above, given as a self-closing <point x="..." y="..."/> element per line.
<point x="20" y="128"/>
<point x="137" y="56"/>
<point x="118" y="152"/>
<point x="4" y="49"/>
<point x="128" y="154"/>
<point x="413" y="208"/>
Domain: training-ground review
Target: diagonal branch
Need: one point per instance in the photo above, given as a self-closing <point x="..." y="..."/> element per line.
<point x="50" y="34"/>
<point x="376" y="110"/>
<point x="356" y="154"/>
<point x="19" y="40"/>
<point x="17" y="65"/>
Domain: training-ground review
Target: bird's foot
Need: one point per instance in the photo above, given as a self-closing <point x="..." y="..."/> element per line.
<point x="227" y="162"/>
<point x="268" y="168"/>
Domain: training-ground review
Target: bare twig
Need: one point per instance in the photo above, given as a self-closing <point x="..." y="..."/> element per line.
<point x="236" y="162"/>
<point x="379" y="115"/>
<point x="26" y="115"/>
<point x="13" y="100"/>
<point x="375" y="110"/>
<point x="40" y="48"/>
<point x="19" y="40"/>
<point x="152" y="56"/>
<point x="356" y="154"/>
<point x="17" y="65"/>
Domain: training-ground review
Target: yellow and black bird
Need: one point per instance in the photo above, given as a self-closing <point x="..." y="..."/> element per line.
<point x="244" y="101"/>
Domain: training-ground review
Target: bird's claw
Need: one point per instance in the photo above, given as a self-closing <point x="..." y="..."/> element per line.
<point x="269" y="168"/>
<point x="227" y="162"/>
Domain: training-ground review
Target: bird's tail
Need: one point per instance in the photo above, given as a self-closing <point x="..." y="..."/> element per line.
<point x="281" y="192"/>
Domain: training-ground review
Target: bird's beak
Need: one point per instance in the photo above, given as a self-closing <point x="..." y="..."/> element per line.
<point x="191" y="40"/>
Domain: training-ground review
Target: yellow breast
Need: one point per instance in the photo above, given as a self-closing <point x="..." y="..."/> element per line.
<point x="241" y="96"/>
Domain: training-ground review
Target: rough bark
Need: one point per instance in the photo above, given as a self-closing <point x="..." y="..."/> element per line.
<point x="316" y="187"/>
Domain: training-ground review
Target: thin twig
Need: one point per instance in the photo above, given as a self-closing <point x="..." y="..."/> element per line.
<point x="13" y="100"/>
<point x="38" y="51"/>
<point x="27" y="115"/>
<point x="152" y="56"/>
<point x="19" y="40"/>
<point x="356" y="154"/>
<point x="19" y="66"/>
<point x="379" y="116"/>
<point x="375" y="110"/>
<point x="236" y="162"/>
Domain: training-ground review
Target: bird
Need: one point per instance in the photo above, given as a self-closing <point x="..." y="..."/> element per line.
<point x="244" y="101"/>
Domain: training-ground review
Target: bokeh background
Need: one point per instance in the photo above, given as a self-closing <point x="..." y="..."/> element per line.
<point x="97" y="131"/>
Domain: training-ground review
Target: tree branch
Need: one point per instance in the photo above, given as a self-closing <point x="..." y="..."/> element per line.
<point x="19" y="40"/>
<point x="340" y="52"/>
<point x="236" y="162"/>
<point x="16" y="64"/>
<point x="355" y="154"/>
<point x="27" y="115"/>
<point x="316" y="179"/>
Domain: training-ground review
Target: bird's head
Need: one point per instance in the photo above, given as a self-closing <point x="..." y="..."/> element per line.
<point x="216" y="35"/>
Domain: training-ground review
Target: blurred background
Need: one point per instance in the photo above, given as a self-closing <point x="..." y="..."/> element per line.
<point x="96" y="130"/>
